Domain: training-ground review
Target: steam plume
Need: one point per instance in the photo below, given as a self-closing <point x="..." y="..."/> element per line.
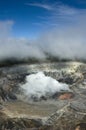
<point x="38" y="85"/>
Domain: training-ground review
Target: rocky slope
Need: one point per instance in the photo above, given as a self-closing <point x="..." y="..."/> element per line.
<point x="63" y="111"/>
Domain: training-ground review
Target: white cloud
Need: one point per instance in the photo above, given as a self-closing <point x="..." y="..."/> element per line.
<point x="67" y="41"/>
<point x="5" y="27"/>
<point x="65" y="37"/>
<point x="40" y="5"/>
<point x="16" y="48"/>
<point x="57" y="13"/>
<point x="65" y="10"/>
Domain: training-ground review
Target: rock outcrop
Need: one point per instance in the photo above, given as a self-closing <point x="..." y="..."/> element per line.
<point x="63" y="111"/>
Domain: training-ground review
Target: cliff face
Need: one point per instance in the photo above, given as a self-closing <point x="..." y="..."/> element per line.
<point x="65" y="110"/>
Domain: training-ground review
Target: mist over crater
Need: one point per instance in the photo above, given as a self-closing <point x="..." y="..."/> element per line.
<point x="38" y="85"/>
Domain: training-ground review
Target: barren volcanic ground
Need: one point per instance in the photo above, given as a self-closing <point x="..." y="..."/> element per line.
<point x="61" y="110"/>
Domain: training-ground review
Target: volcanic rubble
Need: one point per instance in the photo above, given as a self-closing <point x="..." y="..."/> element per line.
<point x="65" y="110"/>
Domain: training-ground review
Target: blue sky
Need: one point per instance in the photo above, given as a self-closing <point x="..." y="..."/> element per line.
<point x="29" y="28"/>
<point x="32" y="17"/>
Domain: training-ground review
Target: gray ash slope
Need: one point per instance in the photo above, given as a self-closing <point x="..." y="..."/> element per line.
<point x="62" y="112"/>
